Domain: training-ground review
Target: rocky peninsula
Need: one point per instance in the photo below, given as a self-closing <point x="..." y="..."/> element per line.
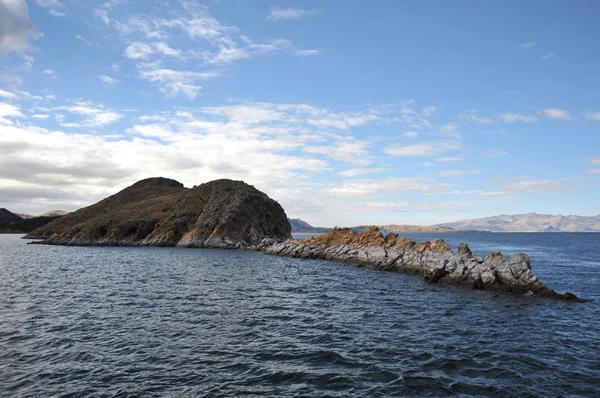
<point x="162" y="212"/>
<point x="435" y="260"/>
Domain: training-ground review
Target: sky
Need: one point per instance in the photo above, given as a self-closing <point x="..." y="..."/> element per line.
<point x="346" y="113"/>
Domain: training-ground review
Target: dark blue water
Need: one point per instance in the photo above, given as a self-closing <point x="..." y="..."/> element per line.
<point x="185" y="322"/>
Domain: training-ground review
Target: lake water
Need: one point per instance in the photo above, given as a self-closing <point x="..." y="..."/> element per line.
<point x="106" y="321"/>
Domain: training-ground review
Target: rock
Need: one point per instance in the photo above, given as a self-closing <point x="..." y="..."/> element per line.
<point x="434" y="260"/>
<point x="161" y="212"/>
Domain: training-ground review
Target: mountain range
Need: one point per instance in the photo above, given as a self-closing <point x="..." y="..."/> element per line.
<point x="529" y="222"/>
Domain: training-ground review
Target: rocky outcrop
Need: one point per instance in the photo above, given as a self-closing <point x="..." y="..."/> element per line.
<point x="435" y="260"/>
<point x="162" y="212"/>
<point x="11" y="223"/>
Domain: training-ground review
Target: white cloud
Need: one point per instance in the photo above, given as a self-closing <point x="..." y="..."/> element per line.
<point x="53" y="7"/>
<point x="109" y="81"/>
<point x="15" y="28"/>
<point x="374" y="187"/>
<point x="428" y="110"/>
<point x="7" y="95"/>
<point x="9" y="111"/>
<point x="509" y="117"/>
<point x="362" y="171"/>
<point x="57" y="13"/>
<point x="83" y="39"/>
<point x="292" y="13"/>
<point x="306" y="53"/>
<point x="548" y="56"/>
<point x="138" y="50"/>
<point x="528" y="44"/>
<point x="594" y="160"/>
<point x="458" y="173"/>
<point x="449" y="159"/>
<point x="494" y="152"/>
<point x="175" y="82"/>
<point x="49" y="72"/>
<point x="592" y="115"/>
<point x="425" y="149"/>
<point x="473" y="117"/>
<point x="555" y="113"/>
<point x="411" y="134"/>
<point x="534" y="186"/>
<point x="348" y="150"/>
<point x="595" y="171"/>
<point x="94" y="115"/>
<point x="452" y="173"/>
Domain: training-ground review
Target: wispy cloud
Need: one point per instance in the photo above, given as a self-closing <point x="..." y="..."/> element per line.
<point x="490" y="153"/>
<point x="53" y="7"/>
<point x="306" y="53"/>
<point x="510" y="117"/>
<point x="528" y="44"/>
<point x="93" y="115"/>
<point x="83" y="39"/>
<point x="556" y="113"/>
<point x="472" y="116"/>
<point x="592" y="115"/>
<point x="534" y="186"/>
<point x="175" y="82"/>
<point x="457" y="173"/>
<point x="424" y="149"/>
<point x="548" y="56"/>
<point x="292" y="13"/>
<point x="109" y="81"/>
<point x="362" y="171"/>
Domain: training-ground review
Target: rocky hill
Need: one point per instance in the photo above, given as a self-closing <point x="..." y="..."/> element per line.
<point x="530" y="222"/>
<point x="11" y="223"/>
<point x="162" y="212"/>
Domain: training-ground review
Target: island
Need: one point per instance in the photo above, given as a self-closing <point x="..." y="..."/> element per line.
<point x="162" y="212"/>
<point x="232" y="214"/>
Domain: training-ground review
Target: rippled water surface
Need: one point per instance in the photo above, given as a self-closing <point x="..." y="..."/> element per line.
<point x="107" y="321"/>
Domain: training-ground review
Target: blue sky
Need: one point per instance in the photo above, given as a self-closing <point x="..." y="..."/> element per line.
<point x="347" y="113"/>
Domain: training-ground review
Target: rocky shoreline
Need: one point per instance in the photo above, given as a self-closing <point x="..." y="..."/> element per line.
<point x="434" y="260"/>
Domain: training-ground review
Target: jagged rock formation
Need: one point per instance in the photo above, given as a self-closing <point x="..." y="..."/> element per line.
<point x="11" y="223"/>
<point x="162" y="212"/>
<point x="435" y="260"/>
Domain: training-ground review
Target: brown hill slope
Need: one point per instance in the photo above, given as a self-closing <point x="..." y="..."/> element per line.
<point x="162" y="212"/>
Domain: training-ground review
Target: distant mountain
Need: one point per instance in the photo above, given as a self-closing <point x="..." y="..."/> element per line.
<point x="11" y="223"/>
<point x="54" y="213"/>
<point x="530" y="222"/>
<point x="301" y="226"/>
<point x="25" y="216"/>
<point x="405" y="228"/>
